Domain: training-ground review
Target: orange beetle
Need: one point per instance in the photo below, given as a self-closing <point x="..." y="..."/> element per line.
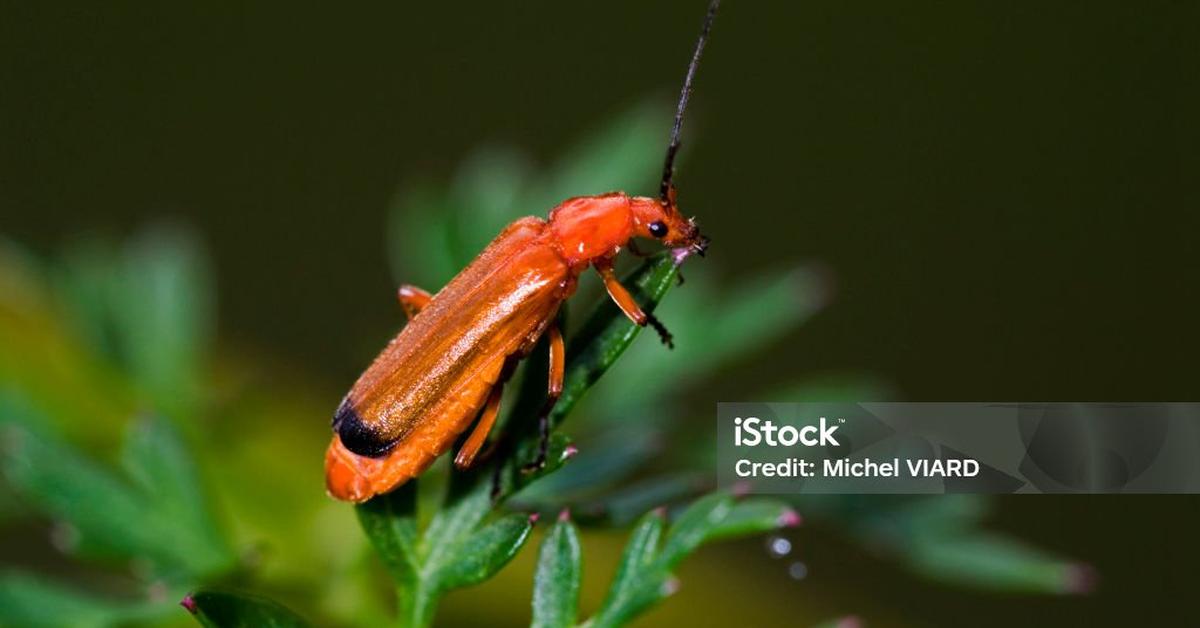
<point x="449" y="363"/>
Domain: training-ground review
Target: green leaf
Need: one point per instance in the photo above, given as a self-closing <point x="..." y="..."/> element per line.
<point x="644" y="574"/>
<point x="224" y="609"/>
<point x="694" y="525"/>
<point x="451" y="525"/>
<point x="389" y="522"/>
<point x="67" y="486"/>
<point x="485" y="552"/>
<point x="27" y="600"/>
<point x="454" y="550"/>
<point x="940" y="537"/>
<point x="164" y="315"/>
<point x="993" y="562"/>
<point x="751" y="516"/>
<point x="557" y="579"/>
<point x="628" y="594"/>
<point x="158" y="462"/>
<point x="158" y="514"/>
<point x="147" y="309"/>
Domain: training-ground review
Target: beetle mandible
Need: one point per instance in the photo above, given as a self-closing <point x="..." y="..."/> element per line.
<point x="448" y="365"/>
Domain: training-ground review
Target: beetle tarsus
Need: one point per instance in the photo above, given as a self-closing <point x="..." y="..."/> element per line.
<point x="543" y="436"/>
<point x="663" y="334"/>
<point x="539" y="462"/>
<point x="554" y="390"/>
<point x="497" y="485"/>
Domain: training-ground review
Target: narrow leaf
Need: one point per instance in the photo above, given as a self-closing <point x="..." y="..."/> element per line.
<point x="694" y="525"/>
<point x="27" y="600"/>
<point x="753" y="516"/>
<point x="451" y="525"/>
<point x="109" y="515"/>
<point x="634" y="585"/>
<point x="158" y="462"/>
<point x="992" y="562"/>
<point x="162" y="316"/>
<point x="557" y="579"/>
<point x="644" y="576"/>
<point x="223" y="609"/>
<point x="389" y="521"/>
<point x="484" y="553"/>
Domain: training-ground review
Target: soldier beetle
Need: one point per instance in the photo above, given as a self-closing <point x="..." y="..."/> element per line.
<point x="448" y="365"/>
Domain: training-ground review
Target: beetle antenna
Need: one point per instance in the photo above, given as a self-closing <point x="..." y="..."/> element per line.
<point x="666" y="190"/>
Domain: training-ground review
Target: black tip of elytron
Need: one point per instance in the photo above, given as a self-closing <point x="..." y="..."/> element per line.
<point x="355" y="434"/>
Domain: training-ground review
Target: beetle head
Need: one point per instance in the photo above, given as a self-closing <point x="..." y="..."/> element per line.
<point x="661" y="220"/>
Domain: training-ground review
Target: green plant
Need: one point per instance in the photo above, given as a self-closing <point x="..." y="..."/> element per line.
<point x="644" y="573"/>
<point x="467" y="538"/>
<point x="216" y="608"/>
<point x="114" y="415"/>
<point x="146" y="517"/>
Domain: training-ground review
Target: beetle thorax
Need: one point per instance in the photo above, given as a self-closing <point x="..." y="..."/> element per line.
<point x="586" y="228"/>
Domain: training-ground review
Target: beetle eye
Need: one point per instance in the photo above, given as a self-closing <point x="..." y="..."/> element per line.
<point x="658" y="229"/>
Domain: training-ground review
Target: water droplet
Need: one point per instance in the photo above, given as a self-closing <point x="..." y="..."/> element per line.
<point x="778" y="546"/>
<point x="797" y="570"/>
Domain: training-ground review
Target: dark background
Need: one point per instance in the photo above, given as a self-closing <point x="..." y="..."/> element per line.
<point x="1005" y="194"/>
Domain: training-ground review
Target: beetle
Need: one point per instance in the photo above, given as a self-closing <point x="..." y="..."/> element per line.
<point x="449" y="363"/>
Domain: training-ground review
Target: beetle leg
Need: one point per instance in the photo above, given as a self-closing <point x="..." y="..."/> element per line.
<point x="466" y="454"/>
<point x="554" y="390"/>
<point x="628" y="305"/>
<point x="413" y="299"/>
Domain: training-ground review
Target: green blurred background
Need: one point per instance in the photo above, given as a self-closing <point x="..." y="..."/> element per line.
<point x="1003" y="197"/>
